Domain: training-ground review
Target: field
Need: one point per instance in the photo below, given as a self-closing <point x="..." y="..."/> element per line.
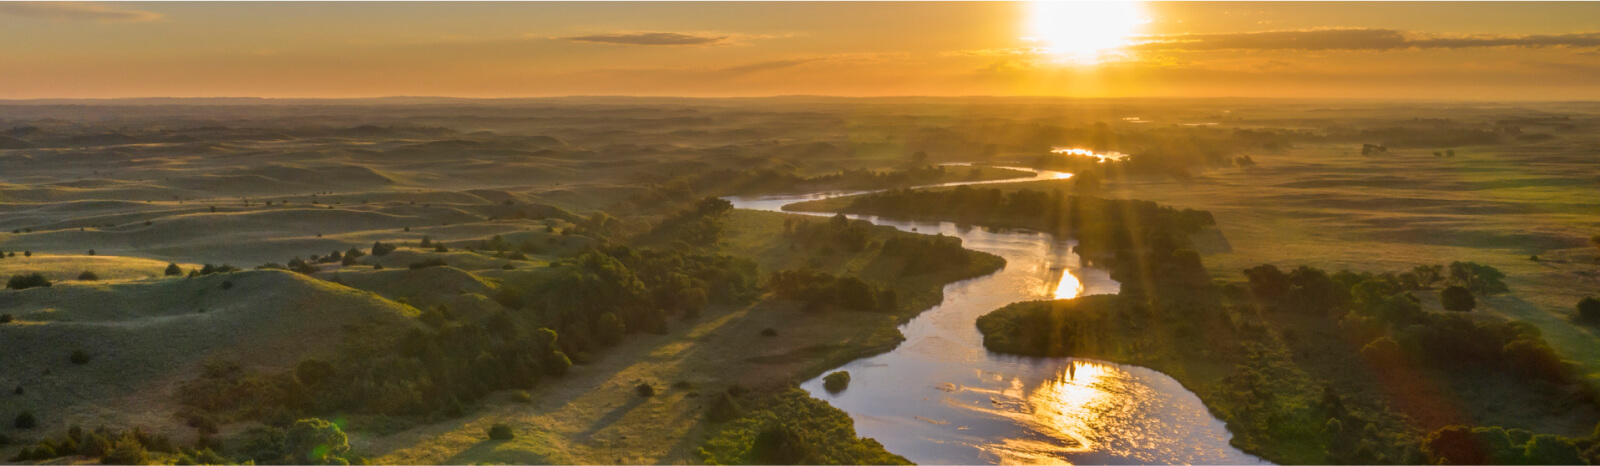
<point x="494" y="211"/>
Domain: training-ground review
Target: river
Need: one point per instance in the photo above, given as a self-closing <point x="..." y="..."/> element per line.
<point x="941" y="398"/>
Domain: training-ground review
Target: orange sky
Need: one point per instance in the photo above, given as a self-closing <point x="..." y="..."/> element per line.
<point x="1432" y="50"/>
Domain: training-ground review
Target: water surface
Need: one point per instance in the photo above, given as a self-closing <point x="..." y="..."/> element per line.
<point x="941" y="398"/>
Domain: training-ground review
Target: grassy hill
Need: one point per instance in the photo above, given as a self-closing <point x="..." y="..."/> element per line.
<point x="143" y="337"/>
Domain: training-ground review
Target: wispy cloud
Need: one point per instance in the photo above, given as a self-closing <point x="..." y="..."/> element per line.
<point x="76" y="11"/>
<point x="768" y="65"/>
<point x="662" y="38"/>
<point x="1351" y="39"/>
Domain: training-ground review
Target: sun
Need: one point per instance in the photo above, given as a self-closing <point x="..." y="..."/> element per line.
<point x="1084" y="31"/>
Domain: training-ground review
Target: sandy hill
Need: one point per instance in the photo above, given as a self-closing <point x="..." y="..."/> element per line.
<point x="160" y="332"/>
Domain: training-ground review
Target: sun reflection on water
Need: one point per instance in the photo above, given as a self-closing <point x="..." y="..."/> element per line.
<point x="1103" y="156"/>
<point x="1069" y="287"/>
<point x="1087" y="407"/>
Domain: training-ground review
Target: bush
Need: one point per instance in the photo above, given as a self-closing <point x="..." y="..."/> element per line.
<point x="88" y="276"/>
<point x="836" y="382"/>
<point x="127" y="450"/>
<point x="501" y="432"/>
<point x="1588" y="311"/>
<point x="79" y="357"/>
<point x="5" y="318"/>
<point x="22" y="282"/>
<point x="25" y="421"/>
<point x="645" y="390"/>
<point x="173" y="270"/>
<point x="381" y="249"/>
<point x="769" y="332"/>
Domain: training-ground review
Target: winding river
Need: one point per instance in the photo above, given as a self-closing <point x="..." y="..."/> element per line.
<point x="941" y="398"/>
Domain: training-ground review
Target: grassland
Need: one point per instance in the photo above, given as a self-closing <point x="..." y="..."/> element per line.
<point x="190" y="184"/>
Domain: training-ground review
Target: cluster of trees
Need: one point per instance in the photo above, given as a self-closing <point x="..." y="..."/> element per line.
<point x="923" y="254"/>
<point x="429" y="373"/>
<point x="28" y="280"/>
<point x="821" y="290"/>
<point x="852" y="235"/>
<point x="1101" y="225"/>
<point x="699" y="224"/>
<point x="1375" y="321"/>
<point x="639" y="288"/>
<point x="772" y="180"/>
<point x="1495" y="445"/>
<point x="793" y="428"/>
<point x="133" y="446"/>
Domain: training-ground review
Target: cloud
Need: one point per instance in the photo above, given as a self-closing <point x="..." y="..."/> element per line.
<point x="1350" y="39"/>
<point x="768" y="65"/>
<point x="76" y="11"/>
<point x="852" y="59"/>
<point x="660" y="38"/>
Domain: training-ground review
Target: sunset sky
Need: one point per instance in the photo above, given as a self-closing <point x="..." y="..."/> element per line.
<point x="1434" y="50"/>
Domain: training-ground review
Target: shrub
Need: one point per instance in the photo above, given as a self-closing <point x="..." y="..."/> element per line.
<point x="173" y="270"/>
<point x="769" y="332"/>
<point x="79" y="357"/>
<point x="836" y="382"/>
<point x="88" y="276"/>
<point x="440" y="248"/>
<point x="127" y="450"/>
<point x="22" y="282"/>
<point x="645" y="390"/>
<point x="501" y="432"/>
<point x="381" y="249"/>
<point x="25" y="421"/>
<point x="5" y="318"/>
<point x="314" y="441"/>
<point x="1588" y="311"/>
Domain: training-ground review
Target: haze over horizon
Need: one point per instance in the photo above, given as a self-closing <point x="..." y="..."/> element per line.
<point x="1432" y="50"/>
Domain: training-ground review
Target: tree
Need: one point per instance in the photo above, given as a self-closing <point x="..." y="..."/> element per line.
<point x="88" y="276"/>
<point x="779" y="443"/>
<point x="1479" y="278"/>
<point x="725" y="409"/>
<point x="315" y="441"/>
<point x="836" y="382"/>
<point x="609" y="329"/>
<point x="1457" y="298"/>
<point x="1589" y="311"/>
<point x="1454" y="445"/>
<point x="1551" y="449"/>
<point x="127" y="450"/>
<point x="1427" y="275"/>
<point x="919" y="158"/>
<point x="79" y="357"/>
<point x="174" y="270"/>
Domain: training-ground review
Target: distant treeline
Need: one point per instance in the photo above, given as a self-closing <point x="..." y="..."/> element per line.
<point x="1102" y="226"/>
